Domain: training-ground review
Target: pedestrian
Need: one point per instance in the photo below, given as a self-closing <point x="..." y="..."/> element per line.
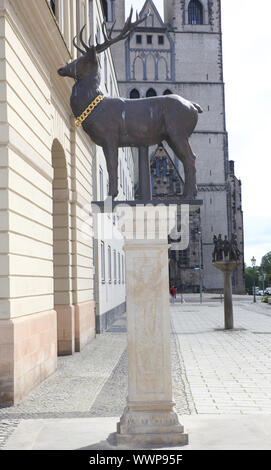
<point x="173" y="292"/>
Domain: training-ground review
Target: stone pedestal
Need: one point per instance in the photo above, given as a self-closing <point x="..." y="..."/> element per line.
<point x="227" y="267"/>
<point x="149" y="417"/>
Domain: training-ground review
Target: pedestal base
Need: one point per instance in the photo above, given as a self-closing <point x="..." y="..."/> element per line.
<point x="149" y="418"/>
<point x="157" y="427"/>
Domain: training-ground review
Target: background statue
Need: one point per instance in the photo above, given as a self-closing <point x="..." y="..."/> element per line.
<point x="226" y="250"/>
<point x="227" y="247"/>
<point x="215" y="248"/>
<point x="220" y="248"/>
<point x="235" y="253"/>
<point x="116" y="122"/>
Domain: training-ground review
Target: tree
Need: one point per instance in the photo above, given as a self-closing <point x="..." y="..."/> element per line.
<point x="266" y="262"/>
<point x="249" y="277"/>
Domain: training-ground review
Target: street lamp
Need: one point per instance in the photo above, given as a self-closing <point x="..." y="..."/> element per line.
<point x="263" y="275"/>
<point x="200" y="263"/>
<point x="253" y="262"/>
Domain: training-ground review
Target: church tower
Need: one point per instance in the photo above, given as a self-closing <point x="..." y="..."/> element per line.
<point x="196" y="25"/>
<point x="182" y="54"/>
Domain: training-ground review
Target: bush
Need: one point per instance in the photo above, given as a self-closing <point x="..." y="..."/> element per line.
<point x="265" y="299"/>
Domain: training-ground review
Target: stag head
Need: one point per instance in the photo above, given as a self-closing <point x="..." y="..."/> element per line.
<point x="87" y="62"/>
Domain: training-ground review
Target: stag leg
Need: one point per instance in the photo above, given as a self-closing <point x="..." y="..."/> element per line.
<point x="111" y="157"/>
<point x="183" y="151"/>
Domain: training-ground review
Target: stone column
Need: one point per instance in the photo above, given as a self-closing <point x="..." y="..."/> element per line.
<point x="228" y="311"/>
<point x="227" y="267"/>
<point x="149" y="417"/>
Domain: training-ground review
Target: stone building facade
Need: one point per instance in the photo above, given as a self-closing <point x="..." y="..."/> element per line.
<point x="238" y="278"/>
<point x="182" y="54"/>
<point x="167" y="184"/>
<point x="50" y="172"/>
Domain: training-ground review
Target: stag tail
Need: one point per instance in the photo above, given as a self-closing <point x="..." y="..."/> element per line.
<point x="197" y="106"/>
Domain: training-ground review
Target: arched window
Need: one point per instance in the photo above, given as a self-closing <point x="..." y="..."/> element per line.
<point x="138" y="69"/>
<point x="162" y="67"/>
<point x="134" y="94"/>
<point x="151" y="92"/>
<point x="150" y="67"/>
<point x="195" y="12"/>
<point x="167" y="92"/>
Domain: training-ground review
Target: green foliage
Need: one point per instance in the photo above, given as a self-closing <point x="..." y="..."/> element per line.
<point x="266" y="261"/>
<point x="265" y="300"/>
<point x="249" y="274"/>
<point x="249" y="278"/>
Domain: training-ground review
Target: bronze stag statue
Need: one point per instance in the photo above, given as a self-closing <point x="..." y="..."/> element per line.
<point x="117" y="122"/>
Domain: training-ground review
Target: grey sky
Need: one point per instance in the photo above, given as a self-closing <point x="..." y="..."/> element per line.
<point x="247" y="76"/>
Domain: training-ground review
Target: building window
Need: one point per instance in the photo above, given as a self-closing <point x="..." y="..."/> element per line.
<point x="102" y="262"/>
<point x="105" y="9"/>
<point x="167" y="92"/>
<point x="57" y="7"/>
<point x="171" y="186"/>
<point x="161" y="40"/>
<point x="119" y="267"/>
<point x="195" y="12"/>
<point x="138" y="39"/>
<point x="123" y="267"/>
<point x="53" y="6"/>
<point x="98" y="34"/>
<point x="101" y="183"/>
<point x="134" y="94"/>
<point x="108" y="10"/>
<point x="115" y="266"/>
<point x="157" y="167"/>
<point x="109" y="265"/>
<point x="164" y="167"/>
<point x="149" y="39"/>
<point x="105" y="70"/>
<point x="151" y="92"/>
<point x="120" y="168"/>
<point x="183" y="258"/>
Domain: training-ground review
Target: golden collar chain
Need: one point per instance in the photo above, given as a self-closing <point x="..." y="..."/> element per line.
<point x="88" y="110"/>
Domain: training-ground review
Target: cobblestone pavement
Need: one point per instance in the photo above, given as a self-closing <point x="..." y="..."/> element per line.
<point x="213" y="371"/>
<point x="90" y="383"/>
<point x="226" y="371"/>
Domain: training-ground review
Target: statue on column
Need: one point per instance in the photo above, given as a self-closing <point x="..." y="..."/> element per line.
<point x="118" y="122"/>
<point x="225" y="250"/>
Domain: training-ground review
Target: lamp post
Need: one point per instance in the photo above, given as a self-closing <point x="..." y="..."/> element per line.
<point x="263" y="276"/>
<point x="253" y="262"/>
<point x="200" y="270"/>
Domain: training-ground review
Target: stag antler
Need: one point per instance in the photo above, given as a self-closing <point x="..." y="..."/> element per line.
<point x="82" y="42"/>
<point x="126" y="31"/>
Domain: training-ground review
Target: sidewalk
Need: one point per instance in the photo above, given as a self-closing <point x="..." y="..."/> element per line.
<point x="221" y="385"/>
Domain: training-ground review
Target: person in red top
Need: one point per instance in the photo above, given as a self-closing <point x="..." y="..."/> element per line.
<point x="173" y="292"/>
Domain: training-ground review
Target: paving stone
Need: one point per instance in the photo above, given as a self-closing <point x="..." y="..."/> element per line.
<point x="213" y="371"/>
<point x="218" y="361"/>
